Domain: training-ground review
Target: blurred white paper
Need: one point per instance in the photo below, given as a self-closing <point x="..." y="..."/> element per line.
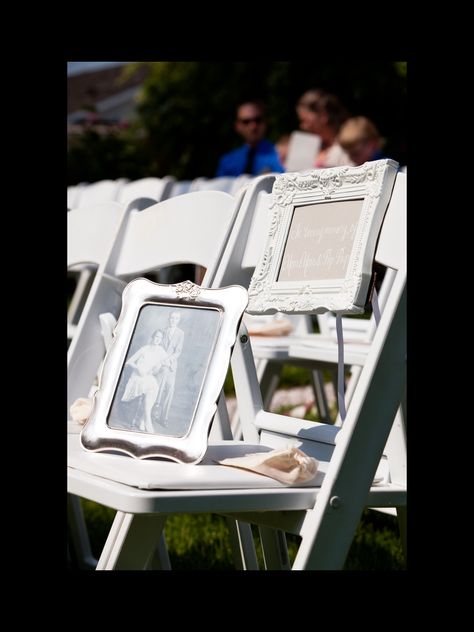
<point x="302" y="151"/>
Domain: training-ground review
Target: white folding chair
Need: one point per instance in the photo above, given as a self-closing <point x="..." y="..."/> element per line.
<point x="189" y="228"/>
<point x="192" y="228"/>
<point x="180" y="187"/>
<point x="157" y="189"/>
<point x="326" y="511"/>
<point x="223" y="183"/>
<point x="91" y="231"/>
<point x="98" y="192"/>
<point x="74" y="195"/>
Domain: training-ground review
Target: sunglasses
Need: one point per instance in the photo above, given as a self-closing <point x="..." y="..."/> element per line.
<point x="247" y="121"/>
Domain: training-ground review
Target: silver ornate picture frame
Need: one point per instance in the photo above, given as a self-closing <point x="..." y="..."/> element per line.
<point x="323" y="233"/>
<point x="164" y="371"/>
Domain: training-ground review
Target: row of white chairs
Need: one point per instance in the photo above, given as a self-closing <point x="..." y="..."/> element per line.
<point x="220" y="233"/>
<point x="142" y="193"/>
<point x="157" y="189"/>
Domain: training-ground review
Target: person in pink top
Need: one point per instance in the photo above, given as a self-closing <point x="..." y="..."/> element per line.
<point x="323" y="114"/>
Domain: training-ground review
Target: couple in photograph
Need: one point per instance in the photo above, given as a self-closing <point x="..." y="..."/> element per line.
<point x="154" y="374"/>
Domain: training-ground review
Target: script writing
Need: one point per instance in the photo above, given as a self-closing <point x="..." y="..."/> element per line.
<point x="320" y="241"/>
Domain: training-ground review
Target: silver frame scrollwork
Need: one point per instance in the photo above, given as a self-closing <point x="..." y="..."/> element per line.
<point x="97" y="436"/>
<point x="372" y="181"/>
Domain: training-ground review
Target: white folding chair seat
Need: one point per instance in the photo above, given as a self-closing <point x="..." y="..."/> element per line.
<point x="324" y="514"/>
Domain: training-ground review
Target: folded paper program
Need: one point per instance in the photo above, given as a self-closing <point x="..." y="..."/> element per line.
<point x="289" y="466"/>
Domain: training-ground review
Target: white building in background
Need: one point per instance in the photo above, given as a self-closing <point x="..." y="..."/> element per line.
<point x="97" y="91"/>
<point x="79" y="67"/>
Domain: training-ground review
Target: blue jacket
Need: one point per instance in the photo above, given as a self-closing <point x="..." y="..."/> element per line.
<point x="266" y="160"/>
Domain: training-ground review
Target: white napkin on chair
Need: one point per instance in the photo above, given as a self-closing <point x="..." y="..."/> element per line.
<point x="80" y="410"/>
<point x="289" y="466"/>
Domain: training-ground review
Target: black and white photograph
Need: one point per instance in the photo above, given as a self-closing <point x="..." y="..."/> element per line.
<point x="164" y="370"/>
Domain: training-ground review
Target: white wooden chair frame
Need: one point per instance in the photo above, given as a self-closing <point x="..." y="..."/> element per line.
<point x="325" y="516"/>
<point x="191" y="219"/>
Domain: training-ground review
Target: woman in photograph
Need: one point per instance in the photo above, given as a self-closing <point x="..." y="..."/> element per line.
<point x="146" y="378"/>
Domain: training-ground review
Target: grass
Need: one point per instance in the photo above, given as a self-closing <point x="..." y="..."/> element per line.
<point x="201" y="541"/>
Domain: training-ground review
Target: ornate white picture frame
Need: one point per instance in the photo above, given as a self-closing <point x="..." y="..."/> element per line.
<point x="322" y="239"/>
<point x="164" y="371"/>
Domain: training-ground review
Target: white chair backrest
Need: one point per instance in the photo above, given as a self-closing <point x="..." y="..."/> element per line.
<point x="74" y="195"/>
<point x="239" y="183"/>
<point x="157" y="189"/>
<point x="91" y="232"/>
<point x="248" y="238"/>
<point x="191" y="228"/>
<point x="180" y="187"/>
<point x="98" y="192"/>
<point x="224" y="183"/>
<point x="255" y="242"/>
<point x="173" y="232"/>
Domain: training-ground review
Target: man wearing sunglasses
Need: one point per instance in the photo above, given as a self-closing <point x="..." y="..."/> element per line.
<point x="257" y="155"/>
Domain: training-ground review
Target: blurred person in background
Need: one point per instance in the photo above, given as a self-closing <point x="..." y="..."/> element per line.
<point x="322" y="113"/>
<point x="282" y="146"/>
<point x="258" y="155"/>
<point x="361" y="140"/>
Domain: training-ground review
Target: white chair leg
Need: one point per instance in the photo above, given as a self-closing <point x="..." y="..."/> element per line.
<point x="268" y="376"/>
<point x="81" y="291"/>
<point x="402" y="526"/>
<point x="220" y="429"/>
<point x="243" y="546"/>
<point x="275" y="551"/>
<point x="317" y="381"/>
<point x="352" y="383"/>
<point x="131" y="541"/>
<point x="160" y="560"/>
<point x="79" y="536"/>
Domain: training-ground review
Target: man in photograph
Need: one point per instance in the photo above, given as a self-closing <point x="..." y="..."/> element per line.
<point x="173" y="345"/>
